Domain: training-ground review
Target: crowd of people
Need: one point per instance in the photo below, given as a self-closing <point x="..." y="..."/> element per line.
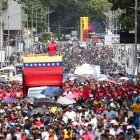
<point x="103" y="110"/>
<point x="94" y="55"/>
<point x="11" y="89"/>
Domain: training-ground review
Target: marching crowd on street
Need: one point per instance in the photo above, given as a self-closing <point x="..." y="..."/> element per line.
<point x="104" y="110"/>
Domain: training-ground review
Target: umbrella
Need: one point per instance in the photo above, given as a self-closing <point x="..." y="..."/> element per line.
<point x="45" y="101"/>
<point x="72" y="78"/>
<point x="123" y="78"/>
<point x="72" y="95"/>
<point x="109" y="77"/>
<point x="40" y="110"/>
<point x="108" y="80"/>
<point x="29" y="99"/>
<point x="16" y="78"/>
<point x="103" y="79"/>
<point x="93" y="77"/>
<point x="69" y="75"/>
<point x="52" y="91"/>
<point x="2" y="80"/>
<point x="10" y="100"/>
<point x="81" y="79"/>
<point x="65" y="100"/>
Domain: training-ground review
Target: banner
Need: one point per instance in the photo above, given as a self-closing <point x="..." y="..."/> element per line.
<point x="42" y="70"/>
<point x="84" y="25"/>
<point x="85" y="34"/>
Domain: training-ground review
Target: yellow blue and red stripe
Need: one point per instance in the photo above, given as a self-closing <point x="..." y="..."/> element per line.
<point x="42" y="70"/>
<point x="42" y="63"/>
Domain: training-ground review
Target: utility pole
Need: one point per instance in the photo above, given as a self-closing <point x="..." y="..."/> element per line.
<point x="46" y="11"/>
<point x="6" y="52"/>
<point x="1" y="33"/>
<point x="41" y="14"/>
<point x="8" y="40"/>
<point x="59" y="32"/>
<point x="36" y="22"/>
<point x="48" y="19"/>
<point x="27" y="30"/>
<point x="135" y="50"/>
<point x="32" y="18"/>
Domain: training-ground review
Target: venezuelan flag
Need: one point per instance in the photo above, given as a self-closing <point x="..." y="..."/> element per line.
<point x="42" y="69"/>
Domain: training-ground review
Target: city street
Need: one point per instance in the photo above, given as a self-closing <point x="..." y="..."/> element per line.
<point x="69" y="70"/>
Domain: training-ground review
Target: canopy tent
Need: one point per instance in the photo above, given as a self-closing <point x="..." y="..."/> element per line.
<point x="8" y="68"/>
<point x="87" y="69"/>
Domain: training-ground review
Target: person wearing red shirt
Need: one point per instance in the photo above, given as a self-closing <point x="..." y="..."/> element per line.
<point x="52" y="48"/>
<point x="85" y="136"/>
<point x="100" y="93"/>
<point x="86" y="93"/>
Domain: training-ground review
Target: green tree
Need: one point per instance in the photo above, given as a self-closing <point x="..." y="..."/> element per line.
<point x="127" y="18"/>
<point x="68" y="12"/>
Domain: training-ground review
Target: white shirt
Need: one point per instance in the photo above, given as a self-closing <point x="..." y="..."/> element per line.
<point x="70" y="115"/>
<point x="47" y="137"/>
<point x="94" y="122"/>
<point x="8" y="137"/>
<point x="114" y="132"/>
<point x="44" y="135"/>
<point x="86" y="113"/>
<point x="18" y="135"/>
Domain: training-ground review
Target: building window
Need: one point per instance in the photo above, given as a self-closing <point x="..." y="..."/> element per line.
<point x="4" y="5"/>
<point x="130" y="51"/>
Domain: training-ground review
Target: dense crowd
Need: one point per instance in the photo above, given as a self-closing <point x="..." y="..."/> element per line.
<point x="11" y="89"/>
<point x="94" y="55"/>
<point x="103" y="110"/>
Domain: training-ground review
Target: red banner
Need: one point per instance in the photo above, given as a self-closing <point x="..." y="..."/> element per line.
<point x="85" y="35"/>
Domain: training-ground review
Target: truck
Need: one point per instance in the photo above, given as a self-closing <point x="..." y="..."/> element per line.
<point x="41" y="70"/>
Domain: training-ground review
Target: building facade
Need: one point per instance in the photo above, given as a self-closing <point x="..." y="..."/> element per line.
<point x="123" y="55"/>
<point x="12" y="23"/>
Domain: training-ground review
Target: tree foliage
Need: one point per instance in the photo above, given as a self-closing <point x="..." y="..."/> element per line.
<point x="127" y="18"/>
<point x="68" y="12"/>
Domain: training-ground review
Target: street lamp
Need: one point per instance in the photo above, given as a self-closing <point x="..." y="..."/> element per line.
<point x="136" y="24"/>
<point x="1" y="31"/>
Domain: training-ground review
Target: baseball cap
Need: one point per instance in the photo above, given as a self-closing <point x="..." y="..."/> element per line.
<point x="124" y="123"/>
<point x="129" y="127"/>
<point x="115" y="123"/>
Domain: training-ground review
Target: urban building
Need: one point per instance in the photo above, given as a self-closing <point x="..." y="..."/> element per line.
<point x="12" y="23"/>
<point x="123" y="55"/>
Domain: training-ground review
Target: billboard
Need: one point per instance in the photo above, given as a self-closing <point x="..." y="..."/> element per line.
<point x="128" y="37"/>
<point x="97" y="27"/>
<point x="84" y="26"/>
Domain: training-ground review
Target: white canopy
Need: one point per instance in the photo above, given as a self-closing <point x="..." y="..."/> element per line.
<point x="8" y="68"/>
<point x="87" y="69"/>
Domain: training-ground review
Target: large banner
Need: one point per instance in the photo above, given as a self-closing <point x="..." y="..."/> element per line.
<point x="84" y="26"/>
<point x="42" y="70"/>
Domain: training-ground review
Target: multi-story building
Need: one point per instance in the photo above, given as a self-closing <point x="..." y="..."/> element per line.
<point x="124" y="57"/>
<point x="13" y="22"/>
<point x="3" y="7"/>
